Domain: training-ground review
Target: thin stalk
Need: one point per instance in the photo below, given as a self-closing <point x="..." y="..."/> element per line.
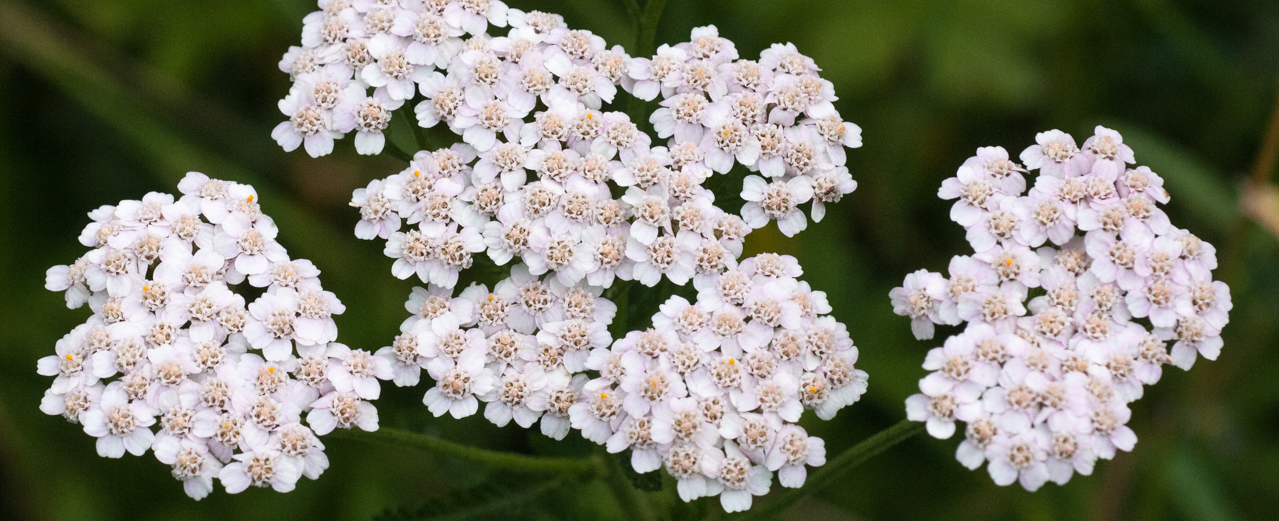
<point x="632" y="8"/>
<point x="633" y="506"/>
<point x="512" y="462"/>
<point x="1268" y="153"/>
<point x="646" y="21"/>
<point x="620" y="294"/>
<point x="836" y="468"/>
<point x="646" y="27"/>
<point x="393" y="149"/>
<point x="1262" y="168"/>
<point x="419" y="133"/>
<point x="504" y="504"/>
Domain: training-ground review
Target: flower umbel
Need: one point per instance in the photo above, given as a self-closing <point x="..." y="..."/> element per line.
<point x="1068" y="303"/>
<point x="176" y="361"/>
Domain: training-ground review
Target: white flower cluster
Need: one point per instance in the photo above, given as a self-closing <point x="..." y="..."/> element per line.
<point x="712" y="391"/>
<point x="174" y="361"/>
<point x="576" y="198"/>
<point x="1044" y="385"/>
<point x="531" y="101"/>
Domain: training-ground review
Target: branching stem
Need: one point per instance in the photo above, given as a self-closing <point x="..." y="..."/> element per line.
<point x="835" y="468"/>
<point x="508" y="461"/>
<point x="419" y="133"/>
<point x="394" y="150"/>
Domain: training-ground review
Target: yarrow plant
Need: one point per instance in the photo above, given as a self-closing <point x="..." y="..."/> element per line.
<point x="545" y="227"/>
<point x="1068" y="302"/>
<point x="577" y="200"/>
<point x="219" y="379"/>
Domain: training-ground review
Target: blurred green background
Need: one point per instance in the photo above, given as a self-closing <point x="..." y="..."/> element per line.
<point x="107" y="99"/>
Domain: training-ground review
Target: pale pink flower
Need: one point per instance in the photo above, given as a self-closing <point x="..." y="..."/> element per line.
<point x="118" y="424"/>
<point x="458" y="384"/>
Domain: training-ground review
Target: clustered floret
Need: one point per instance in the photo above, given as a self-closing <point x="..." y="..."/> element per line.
<point x="575" y="198"/>
<point x="1044" y="385"/>
<point x="532" y="101"/>
<point x="712" y="391"/>
<point x="572" y="197"/>
<point x="173" y="360"/>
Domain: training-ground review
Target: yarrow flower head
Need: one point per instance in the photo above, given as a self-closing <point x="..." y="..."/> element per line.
<point x="179" y="356"/>
<point x="532" y="100"/>
<point x="1068" y="303"/>
<point x="573" y="199"/>
<point x="725" y="376"/>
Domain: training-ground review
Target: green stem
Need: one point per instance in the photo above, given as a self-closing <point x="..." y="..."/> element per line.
<point x="836" y="468"/>
<point x="628" y="497"/>
<point x="620" y="294"/>
<point x="646" y="27"/>
<point x="493" y="508"/>
<point x="646" y="21"/>
<point x="394" y="149"/>
<point x="419" y="133"/>
<point x="632" y="8"/>
<point x="520" y="463"/>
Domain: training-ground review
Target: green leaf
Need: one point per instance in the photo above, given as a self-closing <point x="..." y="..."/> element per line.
<point x="1193" y="183"/>
<point x="1196" y="489"/>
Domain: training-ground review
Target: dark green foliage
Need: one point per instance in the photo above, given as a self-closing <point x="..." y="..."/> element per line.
<point x="648" y="482"/>
<point x="486" y="501"/>
<point x="106" y="100"/>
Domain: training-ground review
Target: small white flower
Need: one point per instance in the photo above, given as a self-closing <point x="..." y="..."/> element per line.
<point x="666" y="255"/>
<point x="777" y="201"/>
<point x="260" y="468"/>
<point x="119" y="424"/>
<point x="342" y="410"/>
<point x="476" y="15"/>
<point x="793" y="450"/>
<point x="392" y="71"/>
<point x="369" y="116"/>
<point x="918" y="299"/>
<point x="192" y="464"/>
<point x="737" y="478"/>
<point x="308" y="123"/>
<point x="458" y="383"/>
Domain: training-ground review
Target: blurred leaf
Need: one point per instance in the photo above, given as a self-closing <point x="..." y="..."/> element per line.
<point x="1197" y="490"/>
<point x="1210" y="63"/>
<point x="648" y="482"/>
<point x="33" y="41"/>
<point x="1261" y="204"/>
<point x="1192" y="182"/>
<point x="107" y="99"/>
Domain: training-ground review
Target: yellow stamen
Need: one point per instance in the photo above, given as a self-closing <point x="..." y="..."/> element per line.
<point x="417" y="173"/>
<point x="1008" y="262"/>
<point x="732" y="361"/>
<point x="603" y="395"/>
<point x="812" y="388"/>
<point x="491" y="297"/>
<point x="250" y="198"/>
<point x="69" y="357"/>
